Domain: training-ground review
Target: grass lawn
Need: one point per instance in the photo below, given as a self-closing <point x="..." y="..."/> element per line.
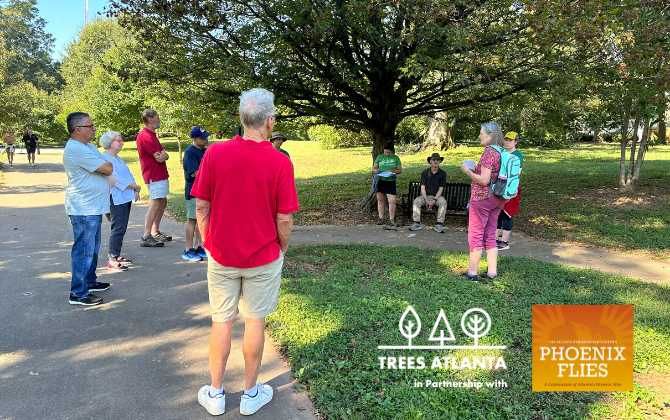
<point x="338" y="303"/>
<point x="568" y="194"/>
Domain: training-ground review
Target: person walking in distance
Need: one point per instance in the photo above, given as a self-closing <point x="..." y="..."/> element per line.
<point x="154" y="171"/>
<point x="86" y="200"/>
<point x="246" y="241"/>
<point x="31" y="141"/>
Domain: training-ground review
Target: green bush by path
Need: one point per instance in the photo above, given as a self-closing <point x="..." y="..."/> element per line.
<point x="338" y="303"/>
<point x="568" y="194"/>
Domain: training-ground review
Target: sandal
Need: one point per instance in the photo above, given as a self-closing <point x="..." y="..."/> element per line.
<point x="115" y="265"/>
<point x="124" y="260"/>
<point x="471" y="277"/>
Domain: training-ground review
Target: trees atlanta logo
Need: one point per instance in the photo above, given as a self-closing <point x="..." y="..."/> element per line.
<point x="582" y="347"/>
<point x="475" y="323"/>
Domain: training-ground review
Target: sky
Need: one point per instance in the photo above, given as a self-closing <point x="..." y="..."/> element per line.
<point x="65" y="18"/>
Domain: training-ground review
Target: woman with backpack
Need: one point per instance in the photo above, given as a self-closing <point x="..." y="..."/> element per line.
<point x="484" y="207"/>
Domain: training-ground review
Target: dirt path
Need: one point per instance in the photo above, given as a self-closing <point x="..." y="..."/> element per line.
<point x="141" y="355"/>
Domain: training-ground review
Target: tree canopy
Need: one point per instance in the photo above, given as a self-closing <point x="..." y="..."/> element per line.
<point x="355" y="63"/>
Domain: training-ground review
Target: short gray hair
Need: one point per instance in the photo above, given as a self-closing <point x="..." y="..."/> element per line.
<point x="256" y="106"/>
<point x="493" y="129"/>
<point x="107" y="139"/>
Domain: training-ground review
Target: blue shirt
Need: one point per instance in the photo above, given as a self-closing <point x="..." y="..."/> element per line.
<point x="121" y="193"/>
<point x="87" y="192"/>
<point x="192" y="158"/>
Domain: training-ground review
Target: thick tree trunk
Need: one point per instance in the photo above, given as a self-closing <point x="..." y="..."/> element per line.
<point x="440" y="134"/>
<point x="596" y="135"/>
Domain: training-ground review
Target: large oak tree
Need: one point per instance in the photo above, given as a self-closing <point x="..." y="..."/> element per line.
<point x="357" y="63"/>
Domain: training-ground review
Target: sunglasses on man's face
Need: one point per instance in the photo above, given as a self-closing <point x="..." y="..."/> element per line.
<point x="88" y="126"/>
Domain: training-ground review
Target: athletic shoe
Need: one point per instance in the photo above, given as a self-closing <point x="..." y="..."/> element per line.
<point x="250" y="405"/>
<point x="471" y="277"/>
<point x="201" y="251"/>
<point x="439" y="228"/>
<point x="99" y="287"/>
<point x="150" y="242"/>
<point x="416" y="226"/>
<point x="160" y="236"/>
<point x="190" y="255"/>
<point x="90" y="300"/>
<point x="391" y="226"/>
<point x="380" y="222"/>
<point x="215" y="405"/>
<point x="502" y="245"/>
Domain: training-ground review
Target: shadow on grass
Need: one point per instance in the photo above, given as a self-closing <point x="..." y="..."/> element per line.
<point x="339" y="303"/>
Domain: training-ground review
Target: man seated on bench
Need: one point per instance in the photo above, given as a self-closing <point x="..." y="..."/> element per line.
<point x="433" y="183"/>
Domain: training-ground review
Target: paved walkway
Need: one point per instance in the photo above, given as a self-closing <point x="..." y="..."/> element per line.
<point x="142" y="355"/>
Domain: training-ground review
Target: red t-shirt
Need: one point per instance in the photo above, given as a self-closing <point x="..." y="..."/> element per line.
<point x="247" y="183"/>
<point x="147" y="144"/>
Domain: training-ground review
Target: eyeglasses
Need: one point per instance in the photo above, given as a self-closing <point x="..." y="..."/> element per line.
<point x="89" y="126"/>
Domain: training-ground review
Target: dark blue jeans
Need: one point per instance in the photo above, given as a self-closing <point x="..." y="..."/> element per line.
<point x="119" y="219"/>
<point x="84" y="254"/>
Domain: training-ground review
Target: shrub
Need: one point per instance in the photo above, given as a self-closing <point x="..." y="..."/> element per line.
<point x="330" y="137"/>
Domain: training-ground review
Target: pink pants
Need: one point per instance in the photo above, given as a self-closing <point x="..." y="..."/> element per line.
<point x="482" y="223"/>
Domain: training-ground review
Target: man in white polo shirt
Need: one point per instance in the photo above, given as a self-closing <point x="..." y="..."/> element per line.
<point x="86" y="200"/>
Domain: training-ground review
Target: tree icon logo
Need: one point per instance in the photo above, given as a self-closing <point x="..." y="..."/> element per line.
<point x="476" y="323"/>
<point x="441" y="323"/>
<point x="410" y="324"/>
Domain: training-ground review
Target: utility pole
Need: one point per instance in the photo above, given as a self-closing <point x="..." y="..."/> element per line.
<point x="85" y="12"/>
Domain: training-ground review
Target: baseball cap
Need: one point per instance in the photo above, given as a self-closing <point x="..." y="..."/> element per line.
<point x="512" y="135"/>
<point x="199" y="132"/>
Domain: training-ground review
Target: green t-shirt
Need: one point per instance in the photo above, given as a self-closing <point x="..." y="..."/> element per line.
<point x="387" y="163"/>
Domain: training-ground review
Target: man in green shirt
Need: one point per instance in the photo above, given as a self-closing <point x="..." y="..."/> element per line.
<point x="386" y="167"/>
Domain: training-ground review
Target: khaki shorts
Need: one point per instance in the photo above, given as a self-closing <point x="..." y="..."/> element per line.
<point x="255" y="291"/>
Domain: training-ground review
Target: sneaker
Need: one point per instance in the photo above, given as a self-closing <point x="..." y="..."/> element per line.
<point x="190" y="255"/>
<point x="201" y="251"/>
<point x="150" y="242"/>
<point x="215" y="405"/>
<point x="380" y="222"/>
<point x="99" y="287"/>
<point x="90" y="300"/>
<point x="416" y="226"/>
<point x="160" y="236"/>
<point x="502" y="245"/>
<point x="249" y="405"/>
<point x="439" y="228"/>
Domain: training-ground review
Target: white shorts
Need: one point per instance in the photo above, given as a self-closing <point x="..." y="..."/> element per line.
<point x="159" y="189"/>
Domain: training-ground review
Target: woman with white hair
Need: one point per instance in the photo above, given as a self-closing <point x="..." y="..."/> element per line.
<point x="123" y="191"/>
<point x="484" y="207"/>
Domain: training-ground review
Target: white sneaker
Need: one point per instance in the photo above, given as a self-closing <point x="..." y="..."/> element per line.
<point x="249" y="405"/>
<point x="214" y="405"/>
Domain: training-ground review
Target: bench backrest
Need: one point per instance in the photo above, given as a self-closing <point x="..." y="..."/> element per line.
<point x="457" y="194"/>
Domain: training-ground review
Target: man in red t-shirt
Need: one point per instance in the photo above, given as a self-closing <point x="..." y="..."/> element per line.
<point x="155" y="174"/>
<point x="245" y="199"/>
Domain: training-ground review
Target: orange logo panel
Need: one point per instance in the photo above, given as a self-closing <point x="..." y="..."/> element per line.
<point x="582" y="347"/>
